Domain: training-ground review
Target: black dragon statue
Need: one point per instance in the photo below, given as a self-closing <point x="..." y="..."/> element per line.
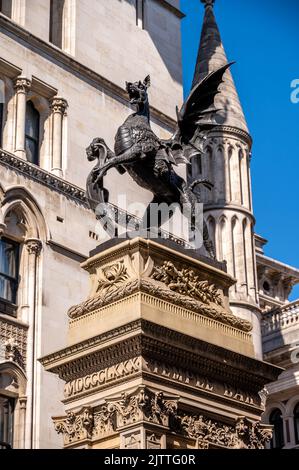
<point x="149" y="160"/>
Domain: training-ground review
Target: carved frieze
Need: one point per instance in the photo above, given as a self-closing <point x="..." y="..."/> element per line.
<point x="180" y="286"/>
<point x="146" y="406"/>
<point x="245" y="434"/>
<point x="186" y="282"/>
<point x="104" y="376"/>
<point x="143" y="405"/>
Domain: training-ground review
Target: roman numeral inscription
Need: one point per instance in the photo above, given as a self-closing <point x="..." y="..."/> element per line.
<point x="97" y="379"/>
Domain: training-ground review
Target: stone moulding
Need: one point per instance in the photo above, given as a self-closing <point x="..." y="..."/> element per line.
<point x="146" y="266"/>
<point x="64" y="187"/>
<point x="43" y="177"/>
<point x="154" y="407"/>
<point x="159" y="344"/>
<point x="172" y="301"/>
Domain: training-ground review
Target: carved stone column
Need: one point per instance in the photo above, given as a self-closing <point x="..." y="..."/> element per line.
<point x="22" y="86"/>
<point x="2" y="223"/>
<point x="58" y="106"/>
<point x="33" y="246"/>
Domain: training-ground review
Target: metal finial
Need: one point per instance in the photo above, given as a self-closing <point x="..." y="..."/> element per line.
<point x="208" y="3"/>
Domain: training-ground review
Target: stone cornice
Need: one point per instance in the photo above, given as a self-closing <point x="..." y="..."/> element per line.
<point x="43" y="177"/>
<point x="70" y="64"/>
<point x="229" y="207"/>
<point x="69" y="190"/>
<point x="171" y="8"/>
<point x="148" y="339"/>
<point x="233" y="131"/>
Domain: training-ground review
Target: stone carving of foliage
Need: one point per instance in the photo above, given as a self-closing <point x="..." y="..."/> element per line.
<point x="186" y="282"/>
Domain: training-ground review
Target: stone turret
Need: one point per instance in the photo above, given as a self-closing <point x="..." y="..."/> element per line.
<point x="228" y="207"/>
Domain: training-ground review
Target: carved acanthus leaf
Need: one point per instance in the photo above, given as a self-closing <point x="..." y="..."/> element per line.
<point x="75" y="426"/>
<point x="143" y="405"/>
<point x="111" y="277"/>
<point x="186" y="282"/>
<point x="245" y="434"/>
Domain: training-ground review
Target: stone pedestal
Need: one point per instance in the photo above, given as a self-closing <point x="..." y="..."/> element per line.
<point x="156" y="359"/>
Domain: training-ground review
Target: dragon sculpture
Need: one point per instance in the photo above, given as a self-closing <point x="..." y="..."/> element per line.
<point x="149" y="160"/>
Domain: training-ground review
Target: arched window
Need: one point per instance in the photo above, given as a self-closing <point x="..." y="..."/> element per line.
<point x="296" y="423"/>
<point x="9" y="270"/>
<point x="32" y="133"/>
<point x="7" y="406"/>
<point x="6" y="7"/>
<point x="140" y="14"/>
<point x="13" y="400"/>
<point x="241" y="176"/>
<point x="276" y="421"/>
<point x="56" y="22"/>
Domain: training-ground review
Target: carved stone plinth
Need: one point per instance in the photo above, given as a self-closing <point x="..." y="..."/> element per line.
<point x="155" y="358"/>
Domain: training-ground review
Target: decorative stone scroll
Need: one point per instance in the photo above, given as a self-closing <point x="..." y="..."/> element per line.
<point x="75" y="426"/>
<point x="245" y="434"/>
<point x="143" y="405"/>
<point x="111" y="277"/>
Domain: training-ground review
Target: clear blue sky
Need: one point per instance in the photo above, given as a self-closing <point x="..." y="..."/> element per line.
<point x="262" y="36"/>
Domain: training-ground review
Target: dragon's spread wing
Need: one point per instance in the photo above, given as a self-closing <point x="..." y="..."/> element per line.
<point x="196" y="115"/>
<point x="200" y="104"/>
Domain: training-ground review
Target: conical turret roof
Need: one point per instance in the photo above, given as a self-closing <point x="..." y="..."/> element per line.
<point x="211" y="55"/>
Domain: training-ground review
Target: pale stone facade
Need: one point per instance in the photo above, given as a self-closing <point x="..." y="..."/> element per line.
<point x="74" y="77"/>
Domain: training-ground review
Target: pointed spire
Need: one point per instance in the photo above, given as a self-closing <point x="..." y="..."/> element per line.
<point x="211" y="56"/>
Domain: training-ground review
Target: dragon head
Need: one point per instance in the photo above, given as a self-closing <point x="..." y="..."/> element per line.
<point x="137" y="92"/>
<point x="95" y="148"/>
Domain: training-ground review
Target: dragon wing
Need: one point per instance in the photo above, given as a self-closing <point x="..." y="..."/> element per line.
<point x="196" y="115"/>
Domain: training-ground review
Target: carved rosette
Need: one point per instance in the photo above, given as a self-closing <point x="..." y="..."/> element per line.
<point x="59" y="105"/>
<point x="22" y="85"/>
<point x="34" y="246"/>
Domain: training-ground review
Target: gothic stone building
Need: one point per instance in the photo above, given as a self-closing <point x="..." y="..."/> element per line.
<point x="63" y="64"/>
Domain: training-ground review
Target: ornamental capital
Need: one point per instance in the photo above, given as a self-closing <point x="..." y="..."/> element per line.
<point x="59" y="105"/>
<point x="34" y="246"/>
<point x="22" y="84"/>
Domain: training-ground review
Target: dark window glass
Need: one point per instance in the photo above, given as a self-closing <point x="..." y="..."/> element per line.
<point x="140" y="14"/>
<point x="56" y="22"/>
<point x="1" y="123"/>
<point x="5" y="7"/>
<point x="9" y="270"/>
<point x="296" y="422"/>
<point x="7" y="406"/>
<point x="2" y="100"/>
<point x="276" y="420"/>
<point x="32" y="133"/>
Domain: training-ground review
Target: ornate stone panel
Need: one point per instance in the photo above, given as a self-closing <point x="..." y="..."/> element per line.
<point x="13" y="341"/>
<point x="146" y="406"/>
